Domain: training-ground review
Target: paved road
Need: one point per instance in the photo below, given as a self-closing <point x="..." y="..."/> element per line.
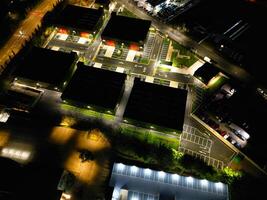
<point x="201" y="49"/>
<point x="24" y="31"/>
<point x="68" y="45"/>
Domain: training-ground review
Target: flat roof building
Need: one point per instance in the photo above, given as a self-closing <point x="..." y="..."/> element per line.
<point x="154" y="3"/>
<point x="46" y="67"/>
<point x="79" y="18"/>
<point x="133" y="182"/>
<point x="126" y="29"/>
<point x="93" y="86"/>
<point x="206" y="73"/>
<point x="156" y="104"/>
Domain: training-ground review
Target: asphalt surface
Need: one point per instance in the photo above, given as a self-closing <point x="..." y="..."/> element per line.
<point x="24" y="31"/>
<point x="201" y="50"/>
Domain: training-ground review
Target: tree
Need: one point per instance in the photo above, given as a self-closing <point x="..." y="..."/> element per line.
<point x="86" y="155"/>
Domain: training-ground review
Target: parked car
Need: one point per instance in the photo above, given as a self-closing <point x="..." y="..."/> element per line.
<point x="226" y="136"/>
<point x="237" y="145"/>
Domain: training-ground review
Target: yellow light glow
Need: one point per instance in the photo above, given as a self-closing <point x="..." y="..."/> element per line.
<point x="4" y="137"/>
<point x="87" y="172"/>
<point x="213" y="80"/>
<point x="61" y="135"/>
<point x="67" y="121"/>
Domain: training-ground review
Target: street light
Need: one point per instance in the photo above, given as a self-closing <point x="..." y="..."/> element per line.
<point x="219" y="185"/>
<point x="204" y="183"/>
<point x="189" y="179"/>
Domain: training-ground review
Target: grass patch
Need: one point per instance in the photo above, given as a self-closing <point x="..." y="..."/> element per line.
<point x="88" y="112"/>
<point x="127" y="13"/>
<point x="182" y="57"/>
<point x="149" y="136"/>
<point x="164" y="69"/>
<point x="144" y="61"/>
<point x="166" y="41"/>
<point x="216" y="83"/>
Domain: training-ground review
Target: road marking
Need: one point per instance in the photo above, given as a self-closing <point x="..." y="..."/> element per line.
<point x="196" y="139"/>
<point x="207" y="159"/>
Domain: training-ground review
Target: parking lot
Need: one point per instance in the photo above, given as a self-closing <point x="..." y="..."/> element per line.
<point x="207" y="143"/>
<point x="199" y="145"/>
<point x="207" y="159"/>
<point x="149" y="45"/>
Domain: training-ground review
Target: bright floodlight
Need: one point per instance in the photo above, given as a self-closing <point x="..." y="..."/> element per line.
<point x="147" y="172"/>
<point x="17" y="154"/>
<point x="5" y="151"/>
<point x="134" y="169"/>
<point x="204" y="182"/>
<point x="11" y="152"/>
<point x="121" y="166"/>
<point x="175" y="177"/>
<point x="66" y="196"/>
<point x="219" y="185"/>
<point x="161" y="174"/>
<point x="25" y="155"/>
<point x="116" y="193"/>
<point x="134" y="198"/>
<point x="189" y="179"/>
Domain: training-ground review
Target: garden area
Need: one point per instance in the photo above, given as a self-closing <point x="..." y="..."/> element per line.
<point x="180" y="56"/>
<point x="124" y="12"/>
<point x="160" y="152"/>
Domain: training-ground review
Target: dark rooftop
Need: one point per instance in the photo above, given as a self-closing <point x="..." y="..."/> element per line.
<point x="155" y="2"/>
<point x="102" y="2"/>
<point x="206" y="72"/>
<point x="157" y="104"/>
<point x="241" y="106"/>
<point x="46" y="65"/>
<point x="94" y="86"/>
<point x="79" y="17"/>
<point x="126" y="29"/>
<point x="28" y="182"/>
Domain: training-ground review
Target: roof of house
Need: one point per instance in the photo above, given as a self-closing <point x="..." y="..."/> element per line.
<point x="126" y="29"/>
<point x="95" y="86"/>
<point x="45" y="65"/>
<point x="79" y="17"/>
<point x="206" y="72"/>
<point x="157" y="104"/>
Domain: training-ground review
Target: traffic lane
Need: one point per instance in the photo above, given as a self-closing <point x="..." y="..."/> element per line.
<point x="179" y="77"/>
<point x="156" y="47"/>
<point x="28" y="26"/>
<point x="220" y="151"/>
<point x="68" y="44"/>
<point x="133" y="67"/>
<point x="232" y="69"/>
<point x="143" y="69"/>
